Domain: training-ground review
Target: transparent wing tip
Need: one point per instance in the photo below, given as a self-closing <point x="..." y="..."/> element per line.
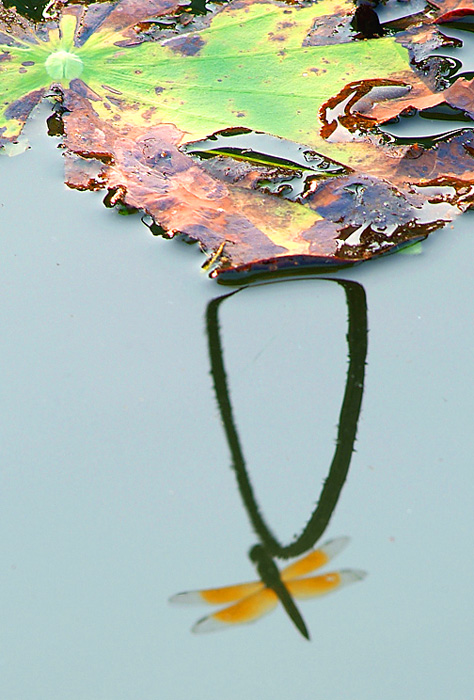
<point x="351" y="576"/>
<point x="331" y="548"/>
<point x="208" y="624"/>
<point x="186" y="598"/>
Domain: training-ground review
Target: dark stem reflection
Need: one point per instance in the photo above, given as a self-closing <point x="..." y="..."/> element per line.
<point x="269" y="546"/>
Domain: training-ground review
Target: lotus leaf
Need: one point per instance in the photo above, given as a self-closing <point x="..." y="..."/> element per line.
<point x="254" y="129"/>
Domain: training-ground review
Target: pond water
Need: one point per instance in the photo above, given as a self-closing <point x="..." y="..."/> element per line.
<point x="135" y="405"/>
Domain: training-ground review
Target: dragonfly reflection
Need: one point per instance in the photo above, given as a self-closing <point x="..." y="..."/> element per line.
<point x="248" y="602"/>
<point x="251" y="601"/>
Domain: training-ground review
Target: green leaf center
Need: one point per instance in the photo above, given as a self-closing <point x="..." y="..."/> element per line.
<point x="64" y="65"/>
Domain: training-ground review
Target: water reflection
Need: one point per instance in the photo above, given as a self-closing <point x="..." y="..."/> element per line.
<point x="252" y="600"/>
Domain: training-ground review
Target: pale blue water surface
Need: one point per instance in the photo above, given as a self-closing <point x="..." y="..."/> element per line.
<point x="116" y="490"/>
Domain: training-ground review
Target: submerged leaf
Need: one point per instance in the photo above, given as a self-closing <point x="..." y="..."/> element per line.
<point x="149" y="98"/>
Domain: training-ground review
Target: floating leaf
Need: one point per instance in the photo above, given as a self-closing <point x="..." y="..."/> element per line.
<point x="254" y="129"/>
<point x="453" y="9"/>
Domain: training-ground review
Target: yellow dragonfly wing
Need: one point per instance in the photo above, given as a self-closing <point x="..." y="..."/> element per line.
<point x="217" y="596"/>
<point x="314" y="559"/>
<point x="249" y="609"/>
<point x="313" y="586"/>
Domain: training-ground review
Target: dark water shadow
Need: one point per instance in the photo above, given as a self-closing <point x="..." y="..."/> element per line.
<point x="269" y="546"/>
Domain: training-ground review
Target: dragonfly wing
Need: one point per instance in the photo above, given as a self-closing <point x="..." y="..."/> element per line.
<point x="249" y="609"/>
<point x="314" y="586"/>
<point x="314" y="559"/>
<point x="217" y="596"/>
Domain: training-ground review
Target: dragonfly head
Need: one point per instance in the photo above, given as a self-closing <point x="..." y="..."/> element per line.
<point x="257" y="554"/>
